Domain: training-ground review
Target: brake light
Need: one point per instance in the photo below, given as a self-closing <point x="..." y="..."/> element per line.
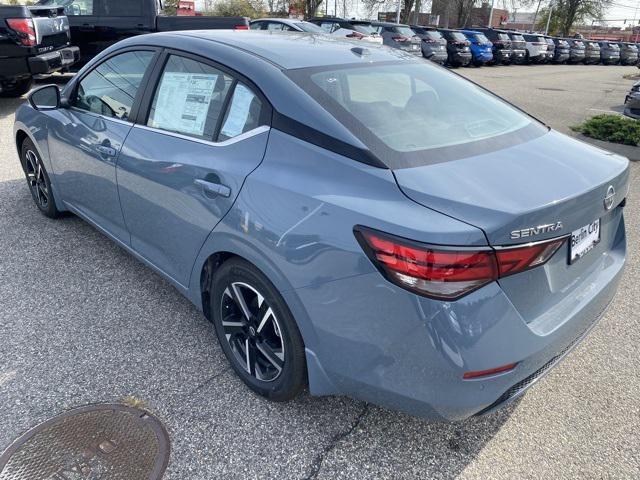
<point x="241" y="27"/>
<point x="400" y="38"/>
<point x="356" y="35"/>
<point x="517" y="259"/>
<point x="447" y="273"/>
<point x="23" y="27"/>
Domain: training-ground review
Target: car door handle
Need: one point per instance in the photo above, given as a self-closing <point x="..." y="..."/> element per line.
<point x="213" y="188"/>
<point x="104" y="150"/>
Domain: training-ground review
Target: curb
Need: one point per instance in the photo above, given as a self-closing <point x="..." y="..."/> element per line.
<point x="629" y="151"/>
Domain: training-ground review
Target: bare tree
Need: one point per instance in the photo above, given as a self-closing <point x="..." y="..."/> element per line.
<point x="567" y="13"/>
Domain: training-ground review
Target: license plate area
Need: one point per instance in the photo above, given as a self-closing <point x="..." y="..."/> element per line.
<point x="583" y="240"/>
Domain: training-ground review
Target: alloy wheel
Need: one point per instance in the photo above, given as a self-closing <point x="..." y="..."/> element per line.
<point x="252" y="331"/>
<point x="36" y="179"/>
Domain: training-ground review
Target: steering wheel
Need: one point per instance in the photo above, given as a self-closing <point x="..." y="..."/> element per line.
<point x="97" y="105"/>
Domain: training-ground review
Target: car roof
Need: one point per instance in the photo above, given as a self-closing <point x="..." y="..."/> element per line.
<point x="276" y="19"/>
<point x="389" y="24"/>
<point x="287" y="50"/>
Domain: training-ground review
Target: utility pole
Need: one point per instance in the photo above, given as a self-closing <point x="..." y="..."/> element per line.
<point x="535" y="16"/>
<point x="490" y="22"/>
<point x="546" y="30"/>
<point x="398" y="12"/>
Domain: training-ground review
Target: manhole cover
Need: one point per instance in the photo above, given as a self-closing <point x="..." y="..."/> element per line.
<point x="113" y="442"/>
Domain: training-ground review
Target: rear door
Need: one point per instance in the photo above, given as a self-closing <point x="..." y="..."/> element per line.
<point x="205" y="129"/>
<point x="85" y="139"/>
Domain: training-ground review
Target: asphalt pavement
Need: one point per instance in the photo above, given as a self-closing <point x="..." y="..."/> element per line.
<point x="82" y="322"/>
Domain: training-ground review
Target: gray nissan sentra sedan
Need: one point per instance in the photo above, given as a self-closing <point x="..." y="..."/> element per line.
<point x="352" y="218"/>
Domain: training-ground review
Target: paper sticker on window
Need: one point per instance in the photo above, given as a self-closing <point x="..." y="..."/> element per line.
<point x="183" y="101"/>
<point x="238" y="112"/>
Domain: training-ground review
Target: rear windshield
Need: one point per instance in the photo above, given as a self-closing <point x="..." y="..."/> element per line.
<point x="503" y="36"/>
<point x="309" y="27"/>
<point x="405" y="111"/>
<point x="406" y="31"/>
<point x="480" y="38"/>
<point x="433" y="35"/>
<point x="364" y="28"/>
<point x="578" y="43"/>
<point x="457" y="36"/>
<point x="517" y="38"/>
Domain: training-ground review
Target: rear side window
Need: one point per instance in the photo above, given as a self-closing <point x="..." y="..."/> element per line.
<point x="328" y="26"/>
<point x="244" y="113"/>
<point x="273" y="26"/>
<point x="110" y="88"/>
<point x="121" y="8"/>
<point x="189" y="98"/>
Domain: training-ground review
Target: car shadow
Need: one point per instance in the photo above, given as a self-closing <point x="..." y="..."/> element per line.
<point x="107" y="327"/>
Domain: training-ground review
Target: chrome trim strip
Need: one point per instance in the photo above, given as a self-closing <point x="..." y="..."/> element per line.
<point x="103" y="117"/>
<point x="530" y="244"/>
<point x="239" y="138"/>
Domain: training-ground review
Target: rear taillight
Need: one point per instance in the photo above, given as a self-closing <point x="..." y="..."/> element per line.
<point x="400" y="38"/>
<point x="356" y="35"/>
<point x="23" y="27"/>
<point x="241" y="27"/>
<point x="517" y="259"/>
<point x="448" y="273"/>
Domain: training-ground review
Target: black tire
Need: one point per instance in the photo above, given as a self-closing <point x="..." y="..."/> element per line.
<point x="275" y="365"/>
<point x="38" y="179"/>
<point x="18" y="88"/>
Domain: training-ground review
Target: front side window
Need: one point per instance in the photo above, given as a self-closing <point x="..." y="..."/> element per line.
<point x="273" y="26"/>
<point x="189" y="98"/>
<point x="110" y="88"/>
<point x="403" y="111"/>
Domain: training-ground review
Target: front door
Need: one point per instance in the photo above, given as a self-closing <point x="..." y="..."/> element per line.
<point x="181" y="169"/>
<point x="85" y="139"/>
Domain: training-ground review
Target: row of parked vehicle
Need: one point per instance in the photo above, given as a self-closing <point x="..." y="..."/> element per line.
<point x="463" y="47"/>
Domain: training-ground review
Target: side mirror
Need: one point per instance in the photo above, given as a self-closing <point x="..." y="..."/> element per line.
<point x="45" y="98"/>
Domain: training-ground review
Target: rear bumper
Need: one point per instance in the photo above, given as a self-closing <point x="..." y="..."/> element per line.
<point x="518" y="56"/>
<point x="502" y="55"/>
<point x="460" y="58"/>
<point x="53" y="61"/>
<point x="561" y="57"/>
<point x="384" y="345"/>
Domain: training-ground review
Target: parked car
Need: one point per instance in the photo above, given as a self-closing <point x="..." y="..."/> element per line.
<point x="481" y="47"/>
<point x="33" y="41"/>
<point x="399" y="36"/>
<point x="458" y="48"/>
<point x="97" y="24"/>
<point x="628" y="53"/>
<point x="434" y="46"/>
<point x="284" y="25"/>
<point x="632" y="102"/>
<point x="609" y="52"/>
<point x="592" y="52"/>
<point x="354" y="29"/>
<point x="551" y="49"/>
<point x="501" y="45"/>
<point x="322" y="228"/>
<point x="518" y="48"/>
<point x="562" y="51"/>
<point x="536" y="46"/>
<point x="577" y="50"/>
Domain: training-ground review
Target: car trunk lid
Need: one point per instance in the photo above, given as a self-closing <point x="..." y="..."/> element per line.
<point x="51" y="26"/>
<point x="533" y="191"/>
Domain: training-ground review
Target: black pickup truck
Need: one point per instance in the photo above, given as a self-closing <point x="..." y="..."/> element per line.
<point x="33" y="41"/>
<point x="97" y="24"/>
